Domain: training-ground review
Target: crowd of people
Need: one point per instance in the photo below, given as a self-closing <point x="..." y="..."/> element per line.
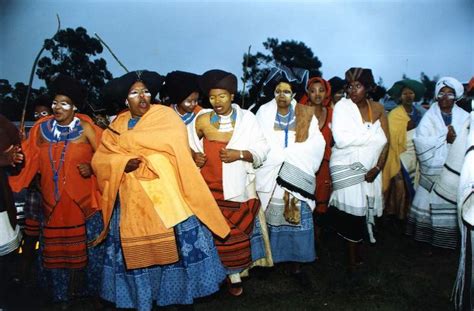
<point x="168" y="200"/>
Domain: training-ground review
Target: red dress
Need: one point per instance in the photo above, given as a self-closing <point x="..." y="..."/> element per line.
<point x="323" y="176"/>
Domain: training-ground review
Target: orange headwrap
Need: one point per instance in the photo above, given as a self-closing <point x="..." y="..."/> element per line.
<point x="305" y="99"/>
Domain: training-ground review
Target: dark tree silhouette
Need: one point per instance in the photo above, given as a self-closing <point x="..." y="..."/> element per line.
<point x="290" y="53"/>
<point x="13" y="97"/>
<point x="75" y="53"/>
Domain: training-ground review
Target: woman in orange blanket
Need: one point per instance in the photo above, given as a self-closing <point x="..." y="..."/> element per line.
<point x="60" y="148"/>
<point x="154" y="203"/>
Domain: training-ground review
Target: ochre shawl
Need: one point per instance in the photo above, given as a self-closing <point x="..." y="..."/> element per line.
<point x="146" y="236"/>
<point x="397" y="120"/>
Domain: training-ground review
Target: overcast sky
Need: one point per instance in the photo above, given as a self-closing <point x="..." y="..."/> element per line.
<point x="392" y="37"/>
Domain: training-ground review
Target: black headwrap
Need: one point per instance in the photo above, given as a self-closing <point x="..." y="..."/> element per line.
<point x="180" y="84"/>
<point x="337" y="84"/>
<point x="363" y="75"/>
<point x="70" y="87"/>
<point x="115" y="92"/>
<point x="218" y="79"/>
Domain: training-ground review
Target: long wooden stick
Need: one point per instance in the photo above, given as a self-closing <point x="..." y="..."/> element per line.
<point x="30" y="83"/>
<point x="110" y="50"/>
<point x="245" y="76"/>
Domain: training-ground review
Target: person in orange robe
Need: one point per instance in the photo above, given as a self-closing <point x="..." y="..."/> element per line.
<point x="60" y="148"/>
<point x="158" y="212"/>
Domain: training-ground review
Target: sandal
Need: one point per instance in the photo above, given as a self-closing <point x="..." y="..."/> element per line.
<point x="235" y="289"/>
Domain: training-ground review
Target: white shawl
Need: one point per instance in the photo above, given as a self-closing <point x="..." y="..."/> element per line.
<point x="304" y="156"/>
<point x="430" y="142"/>
<point x="356" y="145"/>
<point x="238" y="176"/>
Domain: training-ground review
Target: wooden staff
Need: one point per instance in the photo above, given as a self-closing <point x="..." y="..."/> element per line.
<point x="32" y="74"/>
<point x="110" y="50"/>
<point x="245" y="76"/>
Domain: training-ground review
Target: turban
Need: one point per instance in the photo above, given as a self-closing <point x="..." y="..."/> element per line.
<point x="363" y="75"/>
<point x="179" y="85"/>
<point x="43" y="100"/>
<point x="70" y="87"/>
<point x="451" y="83"/>
<point x="115" y="92"/>
<point x="417" y="87"/>
<point x="218" y="79"/>
<point x="470" y="85"/>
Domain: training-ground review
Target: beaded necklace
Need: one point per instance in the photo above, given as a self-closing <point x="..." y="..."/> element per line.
<point x="187" y="118"/>
<point x="224" y="123"/>
<point x="286" y="128"/>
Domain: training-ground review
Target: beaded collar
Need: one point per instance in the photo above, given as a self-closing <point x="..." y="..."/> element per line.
<point x="187" y="118"/>
<point x="53" y="132"/>
<point x="224" y="123"/>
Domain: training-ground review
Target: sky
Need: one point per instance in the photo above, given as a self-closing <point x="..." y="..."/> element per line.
<point x="392" y="37"/>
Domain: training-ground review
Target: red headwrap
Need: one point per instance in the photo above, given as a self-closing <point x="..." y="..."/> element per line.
<point x="327" y="99"/>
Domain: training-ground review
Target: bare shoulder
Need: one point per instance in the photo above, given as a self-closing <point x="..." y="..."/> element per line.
<point x="203" y="119"/>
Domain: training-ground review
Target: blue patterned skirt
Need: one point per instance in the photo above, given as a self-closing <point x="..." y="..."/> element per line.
<point x="290" y="243"/>
<point x="198" y="273"/>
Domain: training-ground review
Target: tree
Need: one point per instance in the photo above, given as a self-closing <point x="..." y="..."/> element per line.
<point x="74" y="53"/>
<point x="12" y="99"/>
<point x="290" y="53"/>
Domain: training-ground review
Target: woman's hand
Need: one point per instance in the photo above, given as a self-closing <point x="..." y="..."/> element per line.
<point x="451" y="136"/>
<point x="199" y="158"/>
<point x="13" y="155"/>
<point x="372" y="174"/>
<point x="132" y="165"/>
<point x="229" y="155"/>
<point x="85" y="170"/>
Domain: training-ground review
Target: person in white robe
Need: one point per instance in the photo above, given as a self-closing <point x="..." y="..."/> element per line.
<point x="439" y="141"/>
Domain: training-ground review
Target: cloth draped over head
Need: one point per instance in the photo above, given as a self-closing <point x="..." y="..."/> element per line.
<point x="116" y="90"/>
<point x="180" y="84"/>
<point x="61" y="84"/>
<point x="417" y="87"/>
<point x="363" y="75"/>
<point x="337" y="84"/>
<point x="327" y="99"/>
<point x="451" y="83"/>
<point x="296" y="77"/>
<point x="218" y="79"/>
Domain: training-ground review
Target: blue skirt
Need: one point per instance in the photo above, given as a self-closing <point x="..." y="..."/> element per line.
<point x="198" y="273"/>
<point x="57" y="281"/>
<point x="294" y="243"/>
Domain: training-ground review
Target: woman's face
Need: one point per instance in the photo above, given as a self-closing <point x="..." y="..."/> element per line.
<point x="446" y="98"/>
<point x="356" y="91"/>
<point x="139" y="99"/>
<point x="407" y="97"/>
<point x="221" y="101"/>
<point x="63" y="109"/>
<point x="283" y="94"/>
<point x="41" y="111"/>
<point x="316" y="93"/>
<point x="338" y="95"/>
<point x="190" y="102"/>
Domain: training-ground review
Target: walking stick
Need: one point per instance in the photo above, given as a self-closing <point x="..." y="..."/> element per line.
<point x="32" y="74"/>
<point x="245" y="76"/>
<point x="110" y="50"/>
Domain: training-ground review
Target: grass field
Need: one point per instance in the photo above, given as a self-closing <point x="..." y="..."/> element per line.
<point x="398" y="274"/>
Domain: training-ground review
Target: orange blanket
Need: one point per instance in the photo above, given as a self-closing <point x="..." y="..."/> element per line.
<point x="145" y="238"/>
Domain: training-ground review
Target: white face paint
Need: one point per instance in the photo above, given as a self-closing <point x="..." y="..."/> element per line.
<point x="64" y="105"/>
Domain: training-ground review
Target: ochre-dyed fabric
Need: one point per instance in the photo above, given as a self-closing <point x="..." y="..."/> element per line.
<point x="160" y="133"/>
<point x="323" y="176"/>
<point x="234" y="250"/>
<point x="64" y="221"/>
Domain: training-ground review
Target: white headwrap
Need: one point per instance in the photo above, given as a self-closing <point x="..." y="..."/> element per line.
<point x="452" y="83"/>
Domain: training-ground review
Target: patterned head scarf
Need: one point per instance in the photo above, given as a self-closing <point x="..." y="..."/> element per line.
<point x="363" y="75"/>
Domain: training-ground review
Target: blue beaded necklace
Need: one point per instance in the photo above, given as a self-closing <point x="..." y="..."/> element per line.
<point x="286" y="128"/>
